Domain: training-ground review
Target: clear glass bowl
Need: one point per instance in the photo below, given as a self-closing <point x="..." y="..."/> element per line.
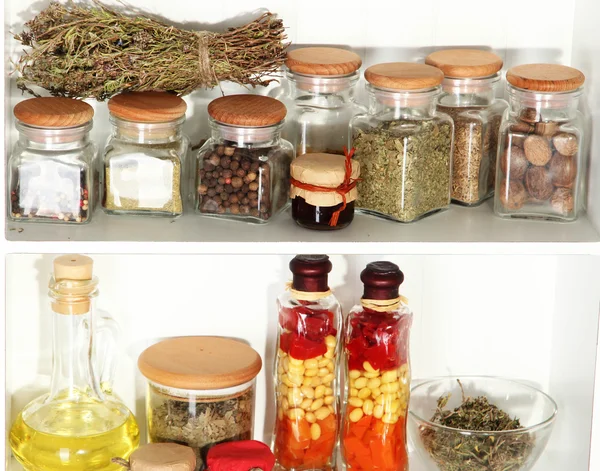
<point x="535" y="410"/>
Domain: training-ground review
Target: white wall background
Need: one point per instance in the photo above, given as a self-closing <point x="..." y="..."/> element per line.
<point x="533" y="318"/>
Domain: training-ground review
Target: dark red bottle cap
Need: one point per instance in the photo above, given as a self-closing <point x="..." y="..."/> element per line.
<point x="242" y="455"/>
<point x="382" y="280"/>
<point x="310" y="273"/>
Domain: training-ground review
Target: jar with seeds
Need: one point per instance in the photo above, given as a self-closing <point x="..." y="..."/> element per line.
<point x="377" y="374"/>
<point x="145" y="155"/>
<point x="200" y="391"/>
<point x="403" y="144"/>
<point x="471" y="77"/>
<point x="540" y="169"/>
<point x="51" y="172"/>
<point x="243" y="170"/>
<point x="307" y="368"/>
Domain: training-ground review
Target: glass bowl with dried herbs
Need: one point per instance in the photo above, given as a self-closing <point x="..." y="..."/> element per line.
<point x="479" y="423"/>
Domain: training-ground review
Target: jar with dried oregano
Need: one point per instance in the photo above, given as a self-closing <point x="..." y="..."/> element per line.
<point x="403" y="144"/>
<point x="145" y="155"/>
<point x="539" y="170"/>
<point x="200" y="392"/>
<point x="471" y="77"/>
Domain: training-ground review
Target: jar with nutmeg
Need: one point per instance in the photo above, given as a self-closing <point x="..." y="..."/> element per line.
<point x="468" y="94"/>
<point x="243" y="170"/>
<point x="539" y="170"/>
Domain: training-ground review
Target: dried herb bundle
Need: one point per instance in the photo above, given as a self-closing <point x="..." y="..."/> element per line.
<point x="95" y="52"/>
<point x="453" y="451"/>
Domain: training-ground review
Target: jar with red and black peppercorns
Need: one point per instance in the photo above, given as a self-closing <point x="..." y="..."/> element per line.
<point x="51" y="171"/>
<point x="243" y="170"/>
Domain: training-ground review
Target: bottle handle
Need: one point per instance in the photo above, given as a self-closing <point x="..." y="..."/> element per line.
<point x="105" y="350"/>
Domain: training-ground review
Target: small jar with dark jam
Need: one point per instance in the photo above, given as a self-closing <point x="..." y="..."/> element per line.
<point x="323" y="190"/>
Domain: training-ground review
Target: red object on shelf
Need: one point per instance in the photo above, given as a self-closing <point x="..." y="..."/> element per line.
<point x="242" y="455"/>
<point x="304" y="331"/>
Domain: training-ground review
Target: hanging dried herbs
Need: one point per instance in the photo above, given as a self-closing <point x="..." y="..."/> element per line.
<point x="453" y="451"/>
<point x="95" y="52"/>
<point x="405" y="168"/>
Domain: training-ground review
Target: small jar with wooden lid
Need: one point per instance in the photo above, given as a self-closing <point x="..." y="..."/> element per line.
<point x="243" y="169"/>
<point x="471" y="78"/>
<point x="51" y="170"/>
<point x="320" y="96"/>
<point x="323" y="190"/>
<point x="145" y="155"/>
<point x="540" y="173"/>
<point x="403" y="144"/>
<point x="201" y="391"/>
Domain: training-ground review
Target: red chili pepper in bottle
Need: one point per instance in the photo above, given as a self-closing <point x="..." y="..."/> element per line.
<point x="378" y="374"/>
<point x="306" y="382"/>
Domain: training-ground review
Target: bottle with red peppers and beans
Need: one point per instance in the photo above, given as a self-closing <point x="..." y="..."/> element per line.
<point x="306" y="368"/>
<point x="242" y="171"/>
<point x="377" y="374"/>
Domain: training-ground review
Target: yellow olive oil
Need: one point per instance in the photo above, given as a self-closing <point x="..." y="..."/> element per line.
<point x="73" y="436"/>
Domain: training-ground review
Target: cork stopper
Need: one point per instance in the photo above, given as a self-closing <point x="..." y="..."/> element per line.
<point x="70" y="291"/>
<point x="404" y="76"/>
<point x="322" y="61"/>
<point x="545" y="77"/>
<point x="163" y="457"/>
<point x="147" y="107"/>
<point x="247" y="110"/>
<point x="381" y="280"/>
<point x="73" y="267"/>
<point x="53" y="112"/>
<point x="465" y="63"/>
<point x="310" y="273"/>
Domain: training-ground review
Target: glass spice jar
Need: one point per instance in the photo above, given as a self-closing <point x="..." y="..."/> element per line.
<point x="323" y="190"/>
<point x="306" y="378"/>
<point x="471" y="77"/>
<point x="377" y="371"/>
<point x="540" y="169"/>
<point x="320" y="98"/>
<point x="242" y="171"/>
<point x="51" y="171"/>
<point x="403" y="144"/>
<point x="200" y="391"/>
<point x="145" y="154"/>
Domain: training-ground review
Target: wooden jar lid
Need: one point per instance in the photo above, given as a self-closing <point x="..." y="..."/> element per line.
<point x="465" y="63"/>
<point x="53" y="112"/>
<point x="323" y="61"/>
<point x="200" y="363"/>
<point x="247" y="110"/>
<point x="545" y="77"/>
<point x="162" y="457"/>
<point x="147" y="107"/>
<point x="404" y="76"/>
<point x="73" y="267"/>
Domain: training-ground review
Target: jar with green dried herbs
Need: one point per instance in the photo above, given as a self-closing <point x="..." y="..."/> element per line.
<point x="403" y="144"/>
<point x="471" y="77"/>
<point x="145" y="155"/>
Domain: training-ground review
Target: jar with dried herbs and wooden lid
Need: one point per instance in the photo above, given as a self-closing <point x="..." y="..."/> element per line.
<point x="376" y="349"/>
<point x="201" y="391"/>
<point x="51" y="172"/>
<point x="468" y="95"/>
<point x="323" y="190"/>
<point x="403" y="144"/>
<point x="320" y="96"/>
<point x="145" y="155"/>
<point x="306" y="378"/>
<point x="540" y="168"/>
<point x="243" y="169"/>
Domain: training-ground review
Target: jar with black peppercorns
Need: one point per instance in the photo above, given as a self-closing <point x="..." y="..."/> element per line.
<point x="243" y="170"/>
<point x="51" y="171"/>
<point x="539" y="169"/>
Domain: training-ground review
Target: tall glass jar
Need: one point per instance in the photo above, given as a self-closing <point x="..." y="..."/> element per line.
<point x="468" y="96"/>
<point x="201" y="391"/>
<point x="321" y="84"/>
<point x="243" y="170"/>
<point x="540" y="169"/>
<point x="377" y="370"/>
<point x="51" y="171"/>
<point x="403" y="144"/>
<point x="306" y="379"/>
<point x="145" y="155"/>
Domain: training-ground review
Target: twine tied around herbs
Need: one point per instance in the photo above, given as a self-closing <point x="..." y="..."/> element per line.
<point x="347" y="185"/>
<point x="206" y="72"/>
<point x="306" y="295"/>
<point x="383" y="305"/>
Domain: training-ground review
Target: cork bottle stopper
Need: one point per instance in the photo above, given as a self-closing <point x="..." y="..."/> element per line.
<point x="73" y="267"/>
<point x="465" y="63"/>
<point x="322" y="61"/>
<point x="381" y="280"/>
<point x="147" y="107"/>
<point x="404" y="76"/>
<point x="163" y="457"/>
<point x="53" y="112"/>
<point x="72" y="299"/>
<point x="247" y="110"/>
